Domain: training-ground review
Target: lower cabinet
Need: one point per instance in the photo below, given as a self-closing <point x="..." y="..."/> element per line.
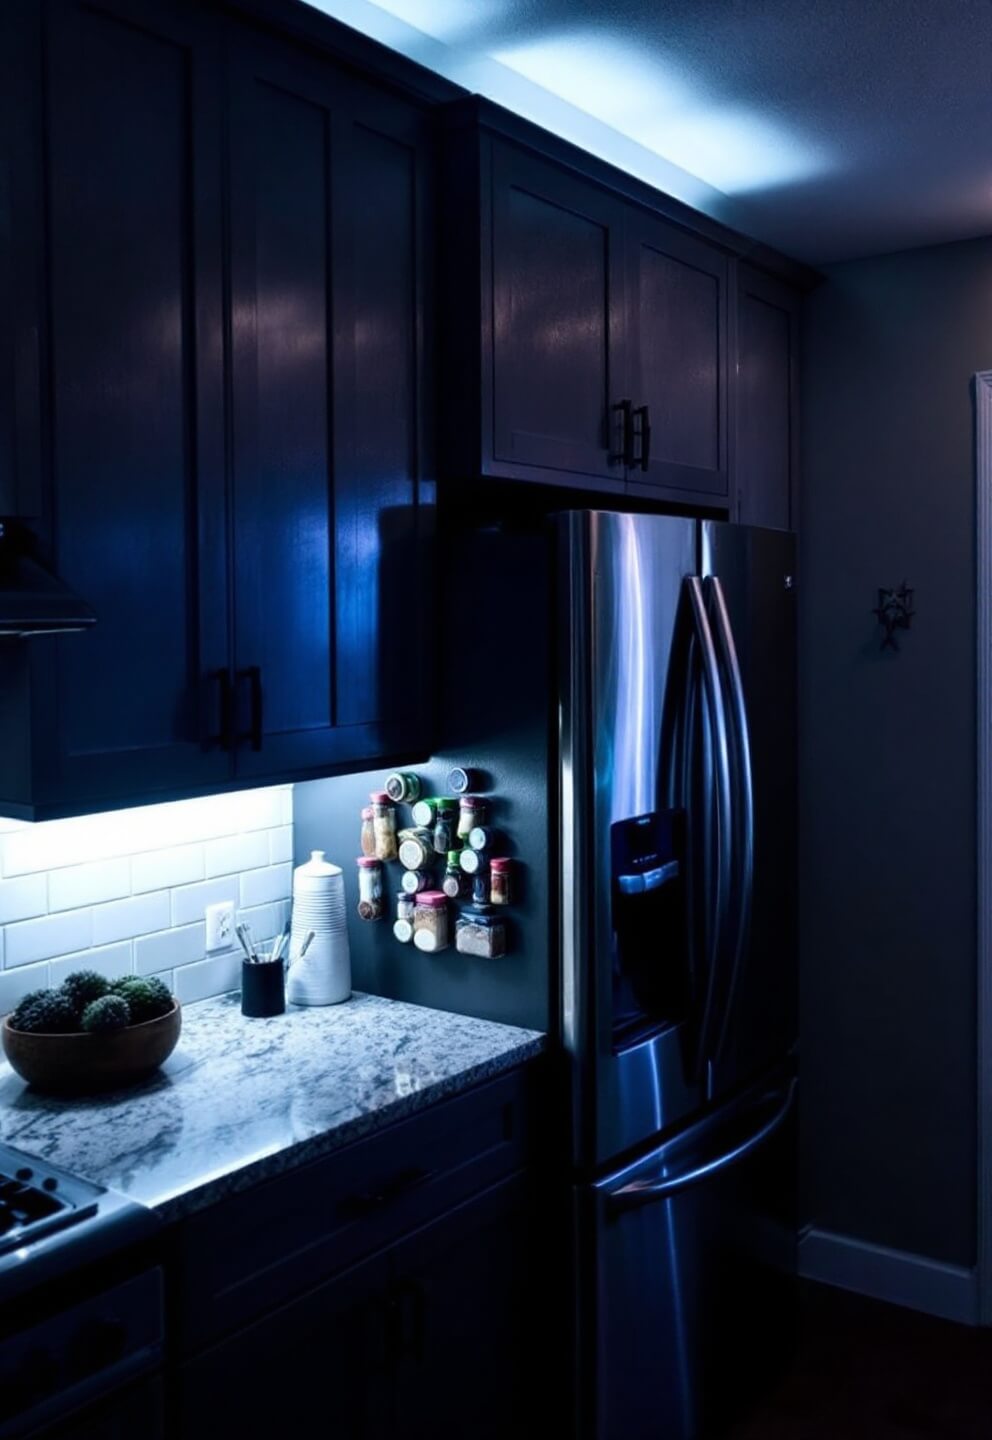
<point x="438" y="1336"/>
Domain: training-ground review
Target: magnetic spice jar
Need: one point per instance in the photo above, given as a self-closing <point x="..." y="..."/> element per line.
<point x="402" y="786"/>
<point x="403" y="924"/>
<point x="413" y="881"/>
<point x="482" y="838"/>
<point x="471" y="812"/>
<point x="370" y="904"/>
<point x="500" y="880"/>
<point x="416" y="848"/>
<point x="455" y="881"/>
<point x="430" y="922"/>
<point x="460" y="781"/>
<point x="368" y="832"/>
<point x="479" y="932"/>
<point x="384" y="825"/>
<point x="424" y="811"/>
<point x="444" y="825"/>
<point x="471" y="861"/>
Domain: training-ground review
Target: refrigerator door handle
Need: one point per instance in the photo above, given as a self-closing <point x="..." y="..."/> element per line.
<point x="717" y="842"/>
<point x="743" y="826"/>
<point x="633" y="1193"/>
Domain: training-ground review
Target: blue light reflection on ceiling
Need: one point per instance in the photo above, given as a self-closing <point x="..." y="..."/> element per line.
<point x="622" y="102"/>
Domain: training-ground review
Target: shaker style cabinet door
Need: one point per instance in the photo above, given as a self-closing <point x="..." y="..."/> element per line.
<point x="557" y="281"/>
<point x="767" y="449"/>
<point x="136" y="424"/>
<point x="327" y="263"/>
<point x="677" y="346"/>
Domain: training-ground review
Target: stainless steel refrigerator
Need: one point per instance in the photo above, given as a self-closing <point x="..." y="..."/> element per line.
<point x="677" y="928"/>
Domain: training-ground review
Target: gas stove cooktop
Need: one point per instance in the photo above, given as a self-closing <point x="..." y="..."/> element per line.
<point x="51" y="1220"/>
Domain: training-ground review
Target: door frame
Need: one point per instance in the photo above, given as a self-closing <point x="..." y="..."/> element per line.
<point x="983" y="491"/>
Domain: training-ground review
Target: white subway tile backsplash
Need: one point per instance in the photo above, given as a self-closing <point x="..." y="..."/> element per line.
<point x="15" y="984"/>
<point x="266" y="921"/>
<point x="258" y="887"/>
<point x="236" y="853"/>
<point x="123" y="919"/>
<point x="208" y="977"/>
<point x="161" y="869"/>
<point x="170" y="948"/>
<point x="49" y="936"/>
<point x="189" y="902"/>
<point x="127" y="890"/>
<point x="24" y="898"/>
<point x="80" y="885"/>
<point x="109" y="960"/>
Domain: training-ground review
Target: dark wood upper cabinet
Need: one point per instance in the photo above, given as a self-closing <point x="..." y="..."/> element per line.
<point x="329" y="270"/>
<point x="237" y="440"/>
<point x="134" y="432"/>
<point x="586" y="339"/>
<point x="767" y="400"/>
<point x="557" y="287"/>
<point x="677" y="360"/>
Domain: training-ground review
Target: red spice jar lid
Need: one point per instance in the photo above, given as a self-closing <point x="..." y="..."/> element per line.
<point x="500" y="862"/>
<point x="368" y="860"/>
<point x="469" y="802"/>
<point x="367" y="812"/>
<point x="434" y="898"/>
<point x="380" y="797"/>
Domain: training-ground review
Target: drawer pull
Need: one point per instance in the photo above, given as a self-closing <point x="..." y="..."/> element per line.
<point x="369" y="1201"/>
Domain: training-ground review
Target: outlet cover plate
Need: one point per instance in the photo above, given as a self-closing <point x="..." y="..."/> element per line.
<point x="220" y="925"/>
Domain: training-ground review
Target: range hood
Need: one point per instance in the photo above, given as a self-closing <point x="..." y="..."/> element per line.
<point x="33" y="601"/>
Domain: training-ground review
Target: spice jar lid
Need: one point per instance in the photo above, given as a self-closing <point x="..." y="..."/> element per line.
<point x="367" y="812"/>
<point x="434" y="898"/>
<point x="367" y="860"/>
<point x="448" y="802"/>
<point x="469" y="802"/>
<point x="379" y="797"/>
<point x="453" y="857"/>
<point x="500" y="862"/>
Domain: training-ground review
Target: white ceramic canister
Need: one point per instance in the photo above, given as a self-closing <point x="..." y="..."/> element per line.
<point x="323" y="975"/>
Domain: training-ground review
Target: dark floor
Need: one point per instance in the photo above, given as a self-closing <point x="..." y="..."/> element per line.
<point x="868" y="1371"/>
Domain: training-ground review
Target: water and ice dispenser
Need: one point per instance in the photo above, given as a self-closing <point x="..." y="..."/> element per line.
<point x="650" y="965"/>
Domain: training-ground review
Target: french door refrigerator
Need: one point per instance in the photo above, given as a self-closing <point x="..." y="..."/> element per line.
<point x="677" y="930"/>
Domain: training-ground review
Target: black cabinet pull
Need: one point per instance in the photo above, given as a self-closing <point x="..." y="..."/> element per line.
<point x="643" y="414"/>
<point x="217" y="684"/>
<point x="253" y="735"/>
<point x="624" y="453"/>
<point x="369" y="1201"/>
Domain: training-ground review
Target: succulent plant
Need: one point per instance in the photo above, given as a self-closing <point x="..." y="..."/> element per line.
<point x="84" y="986"/>
<point x="46" y="1012"/>
<point x="109" y="1012"/>
<point x="146" y="998"/>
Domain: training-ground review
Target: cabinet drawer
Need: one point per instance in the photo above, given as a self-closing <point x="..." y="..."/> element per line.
<point x="256" y="1250"/>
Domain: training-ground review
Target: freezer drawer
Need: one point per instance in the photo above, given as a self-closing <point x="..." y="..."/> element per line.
<point x="690" y="1294"/>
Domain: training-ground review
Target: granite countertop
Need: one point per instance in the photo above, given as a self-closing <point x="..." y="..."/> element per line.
<point x="240" y="1100"/>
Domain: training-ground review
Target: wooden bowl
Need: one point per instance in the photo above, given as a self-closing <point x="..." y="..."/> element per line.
<point x="78" y="1063"/>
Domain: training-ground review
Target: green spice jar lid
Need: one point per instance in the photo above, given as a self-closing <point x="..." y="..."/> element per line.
<point x="453" y="858"/>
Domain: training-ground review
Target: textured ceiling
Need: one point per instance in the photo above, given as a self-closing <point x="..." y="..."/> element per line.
<point x="831" y="130"/>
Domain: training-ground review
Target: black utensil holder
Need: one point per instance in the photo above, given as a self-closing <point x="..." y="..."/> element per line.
<point x="263" y="988"/>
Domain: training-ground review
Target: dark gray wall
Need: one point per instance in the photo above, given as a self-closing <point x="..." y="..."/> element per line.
<point x="888" y="748"/>
<point x="495" y="658"/>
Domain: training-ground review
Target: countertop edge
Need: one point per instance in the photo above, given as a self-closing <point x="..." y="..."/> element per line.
<point x="188" y="1202"/>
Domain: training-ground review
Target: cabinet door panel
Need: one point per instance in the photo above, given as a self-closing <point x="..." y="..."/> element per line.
<point x="316" y="1366"/>
<point x="677" y="330"/>
<point x="477" y="1344"/>
<point x="327" y="260"/>
<point x="557" y="290"/>
<point x="137" y="435"/>
<point x="767" y="380"/>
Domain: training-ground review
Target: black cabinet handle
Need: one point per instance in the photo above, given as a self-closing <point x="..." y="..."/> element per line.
<point x="624" y="453"/>
<point x="253" y="735"/>
<point x="644" y="435"/>
<point x="369" y="1201"/>
<point x="217" y="683"/>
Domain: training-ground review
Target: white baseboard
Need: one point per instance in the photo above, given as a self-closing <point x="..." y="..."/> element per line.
<point x="949" y="1291"/>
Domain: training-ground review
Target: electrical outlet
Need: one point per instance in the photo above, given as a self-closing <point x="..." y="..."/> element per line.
<point x="220" y="925"/>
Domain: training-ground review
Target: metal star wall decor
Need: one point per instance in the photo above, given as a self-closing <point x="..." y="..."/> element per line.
<point x="894" y="612"/>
